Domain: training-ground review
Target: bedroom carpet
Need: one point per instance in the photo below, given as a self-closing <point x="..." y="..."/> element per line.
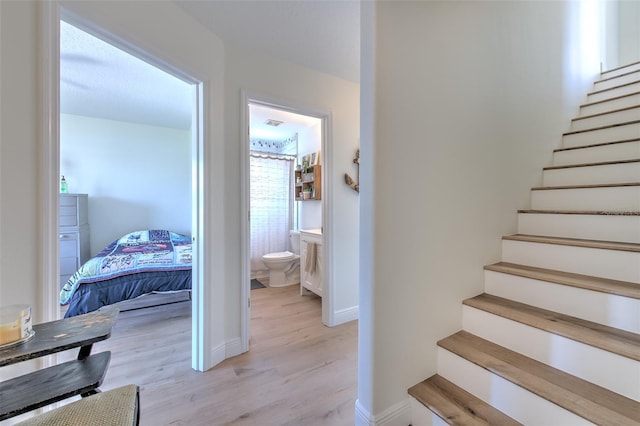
<point x="255" y="284"/>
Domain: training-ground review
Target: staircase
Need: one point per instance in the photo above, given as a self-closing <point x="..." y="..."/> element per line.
<point x="555" y="338"/>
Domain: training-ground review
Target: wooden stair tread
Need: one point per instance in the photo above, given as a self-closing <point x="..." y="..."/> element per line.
<point x="605" y="245"/>
<point x="609" y="99"/>
<point x="603" y="79"/>
<point x="600" y="185"/>
<point x="608" y="126"/>
<point x="612" y="88"/>
<point x="614" y="340"/>
<point x="602" y="163"/>
<point x="619" y="68"/>
<point x="595" y="145"/>
<point x="456" y="406"/>
<point x="576" y="395"/>
<point x="587" y="282"/>
<point x="600" y="114"/>
<point x="583" y="212"/>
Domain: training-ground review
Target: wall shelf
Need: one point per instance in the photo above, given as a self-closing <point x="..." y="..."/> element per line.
<point x="311" y="179"/>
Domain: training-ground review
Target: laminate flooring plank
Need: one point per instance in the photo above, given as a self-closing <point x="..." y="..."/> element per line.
<point x="297" y="370"/>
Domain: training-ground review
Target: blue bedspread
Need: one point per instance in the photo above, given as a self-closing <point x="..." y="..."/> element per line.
<point x="139" y="263"/>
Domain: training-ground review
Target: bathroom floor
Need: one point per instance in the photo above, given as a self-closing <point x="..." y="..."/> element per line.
<point x="258" y="283"/>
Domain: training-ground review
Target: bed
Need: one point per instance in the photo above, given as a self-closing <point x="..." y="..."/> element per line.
<point x="138" y="263"/>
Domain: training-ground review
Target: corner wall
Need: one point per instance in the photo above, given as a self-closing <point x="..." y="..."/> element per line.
<point x="468" y="99"/>
<point x="629" y="31"/>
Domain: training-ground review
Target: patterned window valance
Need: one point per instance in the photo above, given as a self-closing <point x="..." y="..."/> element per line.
<point x="287" y="146"/>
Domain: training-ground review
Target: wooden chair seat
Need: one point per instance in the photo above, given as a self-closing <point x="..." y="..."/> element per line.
<point x="116" y="407"/>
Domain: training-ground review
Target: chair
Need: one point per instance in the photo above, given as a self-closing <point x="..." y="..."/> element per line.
<point x="116" y="407"/>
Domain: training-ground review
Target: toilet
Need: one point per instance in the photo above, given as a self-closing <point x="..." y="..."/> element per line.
<point x="284" y="266"/>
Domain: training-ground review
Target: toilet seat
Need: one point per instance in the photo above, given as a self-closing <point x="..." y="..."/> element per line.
<point x="281" y="255"/>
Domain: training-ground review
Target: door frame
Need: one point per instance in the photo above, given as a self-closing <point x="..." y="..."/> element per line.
<point x="254" y="98"/>
<point x="51" y="14"/>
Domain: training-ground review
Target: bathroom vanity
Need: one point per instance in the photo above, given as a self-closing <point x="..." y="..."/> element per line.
<point x="311" y="261"/>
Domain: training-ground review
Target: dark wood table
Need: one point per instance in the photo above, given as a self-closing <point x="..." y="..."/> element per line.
<point x="81" y="376"/>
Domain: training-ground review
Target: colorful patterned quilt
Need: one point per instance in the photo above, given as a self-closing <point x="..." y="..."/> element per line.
<point x="141" y="251"/>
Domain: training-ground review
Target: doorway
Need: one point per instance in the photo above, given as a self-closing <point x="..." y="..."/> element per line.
<point x="259" y="114"/>
<point x="51" y="168"/>
<point x="125" y="145"/>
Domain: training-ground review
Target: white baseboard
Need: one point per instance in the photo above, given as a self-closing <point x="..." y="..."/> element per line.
<point x="363" y="417"/>
<point x="225" y="350"/>
<point x="216" y="356"/>
<point x="346" y="315"/>
<point x="233" y="347"/>
<point x="397" y="415"/>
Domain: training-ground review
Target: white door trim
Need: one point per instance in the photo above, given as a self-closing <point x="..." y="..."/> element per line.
<point x="49" y="159"/>
<point x="248" y="97"/>
<point x="51" y="13"/>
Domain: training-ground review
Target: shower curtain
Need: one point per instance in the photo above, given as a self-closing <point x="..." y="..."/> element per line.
<point x="271" y="204"/>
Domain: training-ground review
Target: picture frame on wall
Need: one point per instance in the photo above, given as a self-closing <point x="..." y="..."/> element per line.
<point x="315" y="158"/>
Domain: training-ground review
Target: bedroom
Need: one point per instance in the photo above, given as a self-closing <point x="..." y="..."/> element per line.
<point x="134" y="169"/>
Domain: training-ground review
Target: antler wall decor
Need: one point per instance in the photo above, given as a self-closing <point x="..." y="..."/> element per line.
<point x="348" y="180"/>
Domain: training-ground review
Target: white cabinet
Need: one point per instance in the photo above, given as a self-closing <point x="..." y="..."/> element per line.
<point x="311" y="270"/>
<point x="74" y="234"/>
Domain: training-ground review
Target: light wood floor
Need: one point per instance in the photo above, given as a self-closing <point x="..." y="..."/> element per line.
<point x="297" y="371"/>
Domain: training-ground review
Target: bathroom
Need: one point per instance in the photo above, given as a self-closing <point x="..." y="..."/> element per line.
<point x="285" y="199"/>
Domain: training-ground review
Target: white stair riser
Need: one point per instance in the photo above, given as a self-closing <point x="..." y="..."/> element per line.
<point x="589" y="175"/>
<point x="614" y="264"/>
<point x="610" y="82"/>
<point x="622" y="70"/>
<point x="617" y="117"/>
<point x="610" y="152"/>
<point x="587" y="227"/>
<point x="511" y="399"/>
<point x="611" y="371"/>
<point x="613" y="104"/>
<point x="608" y="134"/>
<point x="612" y="199"/>
<point x="422" y="416"/>
<point x="613" y="93"/>
<point x="602" y="308"/>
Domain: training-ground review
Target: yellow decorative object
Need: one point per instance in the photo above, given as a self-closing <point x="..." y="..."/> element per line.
<point x="15" y="323"/>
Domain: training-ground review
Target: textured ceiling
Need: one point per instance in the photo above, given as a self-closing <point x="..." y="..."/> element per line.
<point x="99" y="80"/>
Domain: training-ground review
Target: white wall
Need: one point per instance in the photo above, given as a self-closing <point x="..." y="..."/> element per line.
<point x="310" y="212"/>
<point x="629" y="27"/>
<point x="19" y="133"/>
<point x="137" y="176"/>
<point x="456" y="125"/>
